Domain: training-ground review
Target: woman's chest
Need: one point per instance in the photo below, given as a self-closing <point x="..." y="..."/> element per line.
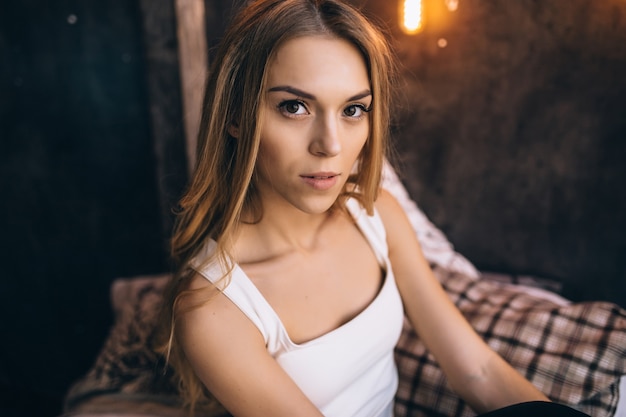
<point x="316" y="292"/>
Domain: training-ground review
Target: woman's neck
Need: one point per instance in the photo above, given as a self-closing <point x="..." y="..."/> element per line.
<point x="281" y="230"/>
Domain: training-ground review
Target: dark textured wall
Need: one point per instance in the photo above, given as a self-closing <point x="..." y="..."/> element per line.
<point x="513" y="137"/>
<point x="79" y="200"/>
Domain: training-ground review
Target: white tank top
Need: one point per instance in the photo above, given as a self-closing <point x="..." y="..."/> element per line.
<point x="349" y="371"/>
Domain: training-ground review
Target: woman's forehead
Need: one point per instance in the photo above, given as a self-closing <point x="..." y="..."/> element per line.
<point x="318" y="63"/>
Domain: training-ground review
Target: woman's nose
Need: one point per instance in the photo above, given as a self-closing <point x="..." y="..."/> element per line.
<point x="326" y="140"/>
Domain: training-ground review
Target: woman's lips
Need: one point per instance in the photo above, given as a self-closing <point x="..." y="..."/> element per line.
<point x="320" y="180"/>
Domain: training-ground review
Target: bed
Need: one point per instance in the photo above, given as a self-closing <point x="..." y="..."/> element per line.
<point x="574" y="352"/>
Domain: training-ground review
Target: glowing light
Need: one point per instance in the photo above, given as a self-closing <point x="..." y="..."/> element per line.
<point x="452" y="5"/>
<point x="411" y="16"/>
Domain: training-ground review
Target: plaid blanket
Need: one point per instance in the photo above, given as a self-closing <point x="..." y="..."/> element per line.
<point x="574" y="353"/>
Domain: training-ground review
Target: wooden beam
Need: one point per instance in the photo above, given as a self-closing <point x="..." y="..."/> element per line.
<point x="192" y="49"/>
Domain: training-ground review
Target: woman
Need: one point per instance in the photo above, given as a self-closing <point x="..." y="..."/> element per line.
<point x="295" y="268"/>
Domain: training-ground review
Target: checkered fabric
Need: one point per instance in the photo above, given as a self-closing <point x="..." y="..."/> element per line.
<point x="574" y="353"/>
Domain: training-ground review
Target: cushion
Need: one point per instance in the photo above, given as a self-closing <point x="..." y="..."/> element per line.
<point x="437" y="249"/>
<point x="128" y="378"/>
<point x="575" y="353"/>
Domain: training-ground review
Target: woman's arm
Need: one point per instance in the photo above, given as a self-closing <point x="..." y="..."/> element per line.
<point x="229" y="356"/>
<point x="478" y="374"/>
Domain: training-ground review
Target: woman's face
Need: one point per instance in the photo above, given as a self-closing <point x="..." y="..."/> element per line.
<point x="315" y="122"/>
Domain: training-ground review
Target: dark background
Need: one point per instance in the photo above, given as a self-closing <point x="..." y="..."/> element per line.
<point x="81" y="180"/>
<point x="512" y="138"/>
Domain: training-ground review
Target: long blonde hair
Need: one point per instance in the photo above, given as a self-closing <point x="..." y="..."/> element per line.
<point x="223" y="183"/>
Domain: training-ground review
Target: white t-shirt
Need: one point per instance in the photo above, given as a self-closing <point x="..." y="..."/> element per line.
<point x="349" y="371"/>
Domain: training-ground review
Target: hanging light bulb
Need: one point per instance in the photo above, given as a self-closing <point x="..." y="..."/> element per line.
<point x="411" y="17"/>
<point x="452" y="5"/>
<point x="411" y="14"/>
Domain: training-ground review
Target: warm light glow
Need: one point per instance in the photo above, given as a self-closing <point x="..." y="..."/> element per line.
<point x="411" y="15"/>
<point x="452" y="5"/>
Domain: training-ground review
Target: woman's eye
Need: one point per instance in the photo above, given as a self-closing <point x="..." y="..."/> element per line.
<point x="355" y="111"/>
<point x="293" y="107"/>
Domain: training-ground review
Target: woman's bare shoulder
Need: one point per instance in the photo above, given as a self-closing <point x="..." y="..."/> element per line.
<point x="394" y="218"/>
<point x="387" y="205"/>
<point x="228" y="353"/>
<point x="202" y="299"/>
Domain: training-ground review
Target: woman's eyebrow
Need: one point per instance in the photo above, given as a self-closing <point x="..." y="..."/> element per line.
<point x="363" y="94"/>
<point x="293" y="90"/>
<point x="304" y="94"/>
